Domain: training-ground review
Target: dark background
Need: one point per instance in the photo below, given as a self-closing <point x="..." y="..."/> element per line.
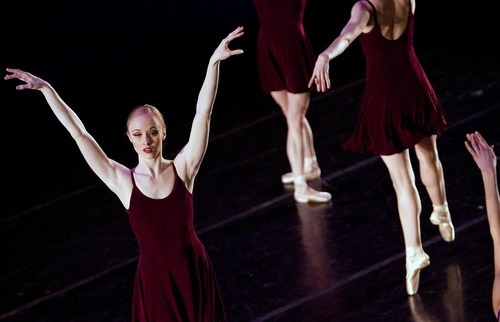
<point x="104" y="57"/>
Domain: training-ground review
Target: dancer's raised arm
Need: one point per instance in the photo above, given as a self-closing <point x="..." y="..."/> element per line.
<point x="113" y="174"/>
<point x="190" y="158"/>
<point x="486" y="161"/>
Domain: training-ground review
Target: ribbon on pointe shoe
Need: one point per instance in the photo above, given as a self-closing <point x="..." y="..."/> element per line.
<point x="441" y="217"/>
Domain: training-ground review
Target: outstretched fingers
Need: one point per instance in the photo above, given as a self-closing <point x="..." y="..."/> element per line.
<point x="30" y="81"/>
<point x="481" y="151"/>
<point x="14" y="73"/>
<point x="321" y="75"/>
<point x="238" y="32"/>
<point x="222" y="52"/>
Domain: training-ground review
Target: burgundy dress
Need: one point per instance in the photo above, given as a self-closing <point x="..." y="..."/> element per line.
<point x="399" y="106"/>
<point x="285" y="58"/>
<point x="175" y="280"/>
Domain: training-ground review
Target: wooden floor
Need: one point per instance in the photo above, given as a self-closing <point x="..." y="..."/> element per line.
<point x="68" y="253"/>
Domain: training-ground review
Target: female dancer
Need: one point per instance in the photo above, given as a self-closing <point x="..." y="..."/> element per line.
<point x="285" y="60"/>
<point x="399" y="111"/>
<point x="175" y="280"/>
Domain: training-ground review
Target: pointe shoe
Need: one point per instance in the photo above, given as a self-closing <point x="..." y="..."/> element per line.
<point x="441" y="216"/>
<point x="413" y="268"/>
<point x="315" y="173"/>
<point x="312" y="196"/>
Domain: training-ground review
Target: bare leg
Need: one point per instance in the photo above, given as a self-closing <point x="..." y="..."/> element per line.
<point x="409" y="208"/>
<point x="311" y="163"/>
<point x="294" y="106"/>
<point x="295" y="137"/>
<point x="309" y="151"/>
<point x="431" y="172"/>
<point x="299" y="103"/>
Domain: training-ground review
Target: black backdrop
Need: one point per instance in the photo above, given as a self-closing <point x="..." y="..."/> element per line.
<point x="104" y="57"/>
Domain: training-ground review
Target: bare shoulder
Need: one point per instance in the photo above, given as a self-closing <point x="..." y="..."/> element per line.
<point x="183" y="171"/>
<point x="362" y="13"/>
<point x="180" y="165"/>
<point x="362" y="9"/>
<point x="364" y="5"/>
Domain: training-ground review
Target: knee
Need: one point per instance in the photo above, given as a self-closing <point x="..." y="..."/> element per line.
<point x="403" y="182"/>
<point x="429" y="160"/>
<point x="295" y="120"/>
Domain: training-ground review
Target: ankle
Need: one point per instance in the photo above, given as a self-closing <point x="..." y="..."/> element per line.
<point x="310" y="163"/>
<point x="441" y="208"/>
<point x="413" y="252"/>
<point x="300" y="183"/>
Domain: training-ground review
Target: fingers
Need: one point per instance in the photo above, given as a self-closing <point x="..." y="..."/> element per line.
<point x="472" y="144"/>
<point x="480" y="140"/>
<point x="11" y="70"/>
<point x="30" y="81"/>
<point x="477" y="145"/>
<point x="481" y="151"/>
<point x="470" y="149"/>
<point x="320" y="76"/>
<point x="12" y="75"/>
<point x="238" y="32"/>
<point x="319" y="84"/>
<point x="24" y="86"/>
<point x="311" y="81"/>
<point x="477" y="141"/>
<point x="16" y="73"/>
<point x="322" y="82"/>
<point x="236" y="52"/>
<point x="328" y="84"/>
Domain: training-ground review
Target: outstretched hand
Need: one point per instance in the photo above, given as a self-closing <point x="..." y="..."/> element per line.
<point x="222" y="51"/>
<point x="30" y="81"/>
<point x="481" y="151"/>
<point x="321" y="74"/>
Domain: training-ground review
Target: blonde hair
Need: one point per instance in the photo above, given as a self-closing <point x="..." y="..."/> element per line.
<point x="143" y="109"/>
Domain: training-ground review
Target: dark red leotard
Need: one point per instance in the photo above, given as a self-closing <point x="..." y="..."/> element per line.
<point x="174" y="280"/>
<point x="399" y="106"/>
<point x="285" y="57"/>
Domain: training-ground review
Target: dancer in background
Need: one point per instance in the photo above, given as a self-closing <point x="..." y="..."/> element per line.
<point x="399" y="111"/>
<point x="285" y="61"/>
<point x="175" y="280"/>
<point x="486" y="161"/>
